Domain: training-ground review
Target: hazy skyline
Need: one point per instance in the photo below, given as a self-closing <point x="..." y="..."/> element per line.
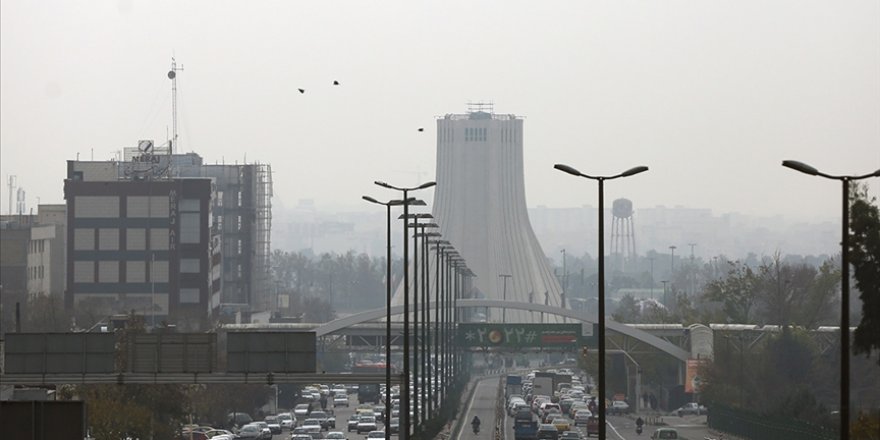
<point x="711" y="96"/>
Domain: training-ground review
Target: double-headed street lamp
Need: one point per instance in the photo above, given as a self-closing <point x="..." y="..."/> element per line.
<point x="405" y="395"/>
<point x="844" y="285"/>
<point x="388" y="206"/>
<point x="601" y="335"/>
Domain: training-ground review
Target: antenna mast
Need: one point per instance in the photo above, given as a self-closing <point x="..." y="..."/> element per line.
<point x="172" y="75"/>
<point x="11" y="183"/>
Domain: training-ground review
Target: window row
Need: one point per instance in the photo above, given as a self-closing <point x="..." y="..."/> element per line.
<point x="135" y="206"/>
<point x="475" y="134"/>
<point x="135" y="271"/>
<point x="36" y="272"/>
<point x="37" y="246"/>
<point x="107" y="239"/>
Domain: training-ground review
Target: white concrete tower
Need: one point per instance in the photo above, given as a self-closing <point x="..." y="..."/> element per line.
<point x="480" y="206"/>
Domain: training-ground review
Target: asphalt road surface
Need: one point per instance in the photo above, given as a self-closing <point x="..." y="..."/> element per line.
<point x="481" y="404"/>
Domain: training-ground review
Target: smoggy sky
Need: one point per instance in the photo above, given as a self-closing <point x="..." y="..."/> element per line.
<point x="712" y="96"/>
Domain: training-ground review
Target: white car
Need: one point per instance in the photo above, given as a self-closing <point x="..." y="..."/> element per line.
<point x="619" y="407"/>
<point x="287" y="420"/>
<point x="366" y="424"/>
<point x="335" y="435"/>
<point x="340" y="400"/>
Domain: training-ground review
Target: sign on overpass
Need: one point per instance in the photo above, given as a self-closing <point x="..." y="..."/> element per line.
<point x="48" y="353"/>
<point x="517" y="336"/>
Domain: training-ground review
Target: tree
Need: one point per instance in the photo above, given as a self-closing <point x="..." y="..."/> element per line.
<point x="864" y="251"/>
<point x="737" y="292"/>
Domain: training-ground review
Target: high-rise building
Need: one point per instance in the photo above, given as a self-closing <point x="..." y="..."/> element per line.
<point x="480" y="206"/>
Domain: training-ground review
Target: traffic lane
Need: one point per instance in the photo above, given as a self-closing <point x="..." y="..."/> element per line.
<point x="342" y="414"/>
<point x="689" y="427"/>
<point x="482" y="404"/>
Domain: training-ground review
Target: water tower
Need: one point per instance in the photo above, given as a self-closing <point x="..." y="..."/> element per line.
<point x="623" y="235"/>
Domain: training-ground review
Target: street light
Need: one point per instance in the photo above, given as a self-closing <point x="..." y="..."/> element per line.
<point x="601" y="335"/>
<point x="415" y="353"/>
<point x="439" y="246"/>
<point x="426" y="318"/>
<point x="388" y="206"/>
<point x="405" y="395"/>
<point x="844" y="285"/>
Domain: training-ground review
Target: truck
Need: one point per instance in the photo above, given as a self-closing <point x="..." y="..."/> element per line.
<point x="525" y="430"/>
<point x="542" y="386"/>
<point x="368" y="393"/>
<point x="513" y="386"/>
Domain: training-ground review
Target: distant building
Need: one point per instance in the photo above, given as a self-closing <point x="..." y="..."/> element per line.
<point x="143" y="242"/>
<point x="15" y="234"/>
<point x="47" y="251"/>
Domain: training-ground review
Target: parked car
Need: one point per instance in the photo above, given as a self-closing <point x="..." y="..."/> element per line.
<point x="692" y="408"/>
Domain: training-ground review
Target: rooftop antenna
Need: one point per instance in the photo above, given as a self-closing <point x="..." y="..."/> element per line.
<point x="172" y="75"/>
<point x="11" y="183"/>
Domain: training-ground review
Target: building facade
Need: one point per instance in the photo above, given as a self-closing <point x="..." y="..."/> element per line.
<point x="146" y="244"/>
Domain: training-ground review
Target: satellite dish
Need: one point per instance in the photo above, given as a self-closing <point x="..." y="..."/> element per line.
<point x="171" y="74"/>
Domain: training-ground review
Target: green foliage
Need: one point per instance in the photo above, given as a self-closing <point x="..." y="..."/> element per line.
<point x="864" y="252"/>
<point x="736" y="292"/>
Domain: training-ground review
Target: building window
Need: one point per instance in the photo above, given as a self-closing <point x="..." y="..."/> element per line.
<point x="190" y="229"/>
<point x="136" y="239"/>
<point x="146" y="206"/>
<point x="189" y="296"/>
<point x="83" y="271"/>
<point x="159" y="239"/>
<point x="135" y="271"/>
<point x="108" y="239"/>
<point x="190" y="265"/>
<point x="83" y="239"/>
<point x="159" y="272"/>
<point x="108" y="271"/>
<point x="96" y="207"/>
<point x="190" y="205"/>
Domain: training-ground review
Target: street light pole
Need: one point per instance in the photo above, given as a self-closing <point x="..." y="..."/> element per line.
<point x="388" y="206"/>
<point x="844" y="285"/>
<point x="405" y="394"/>
<point x="601" y="335"/>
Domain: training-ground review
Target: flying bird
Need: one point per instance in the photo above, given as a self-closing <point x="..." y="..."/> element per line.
<point x="302" y="90"/>
<point x="421" y="129"/>
<point x="335" y="83"/>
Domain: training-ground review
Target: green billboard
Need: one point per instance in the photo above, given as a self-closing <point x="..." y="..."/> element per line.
<point x="515" y="336"/>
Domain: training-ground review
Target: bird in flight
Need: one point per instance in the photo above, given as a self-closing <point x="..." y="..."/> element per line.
<point x="335" y="83"/>
<point x="421" y="129"/>
<point x="302" y="90"/>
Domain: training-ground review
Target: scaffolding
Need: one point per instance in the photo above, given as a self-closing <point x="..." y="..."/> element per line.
<point x="262" y="269"/>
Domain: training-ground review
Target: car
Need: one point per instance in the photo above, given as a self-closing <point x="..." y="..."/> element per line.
<point x="219" y="434"/>
<point x="665" y="434"/>
<point x="327" y="421"/>
<point x="238" y="418"/>
<point x="570" y="435"/>
<point x="274" y="424"/>
<point x="619" y="407"/>
<point x="394" y="426"/>
<point x="550" y="415"/>
<point x="335" y="435"/>
<point x="302" y="410"/>
<point x="366" y="424"/>
<point x="266" y="433"/>
<point x="593" y="426"/>
<point x="691" y="408"/>
<point x="548" y="432"/>
<point x="249" y="432"/>
<point x="375" y="435"/>
<point x="340" y="400"/>
<point x="312" y="422"/>
<point x="353" y="422"/>
<point x="314" y="432"/>
<point x="561" y="423"/>
<point x="300" y="437"/>
<point x="287" y="420"/>
<point x="582" y="417"/>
